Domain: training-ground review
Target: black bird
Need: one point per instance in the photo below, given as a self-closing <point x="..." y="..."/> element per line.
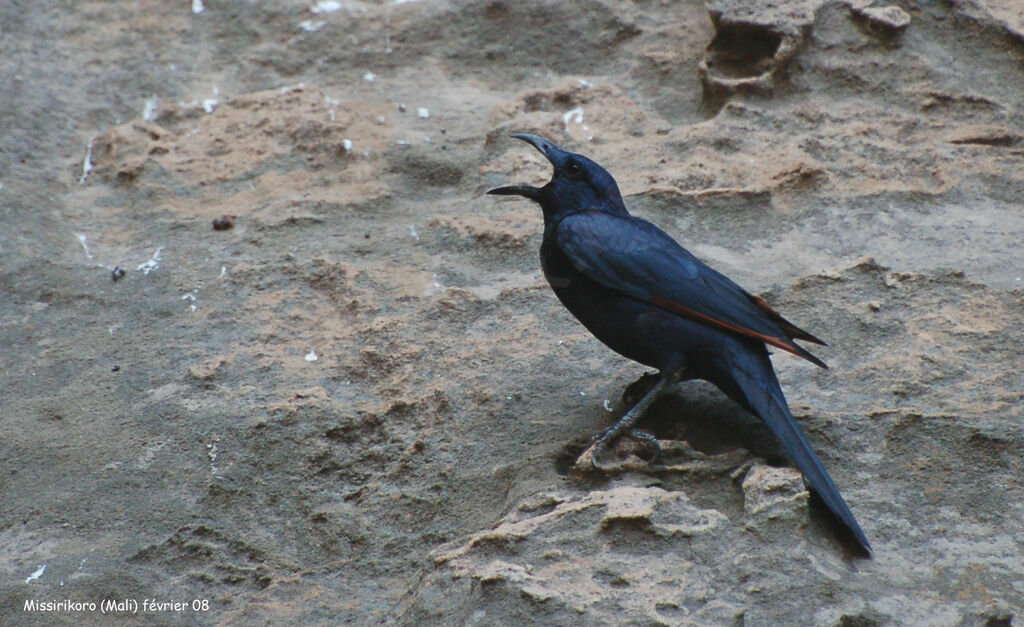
<point x="647" y="298"/>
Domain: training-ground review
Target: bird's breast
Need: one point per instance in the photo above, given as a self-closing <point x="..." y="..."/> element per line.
<point x="557" y="268"/>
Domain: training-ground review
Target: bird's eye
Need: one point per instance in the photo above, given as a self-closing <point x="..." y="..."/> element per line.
<point x="574" y="169"/>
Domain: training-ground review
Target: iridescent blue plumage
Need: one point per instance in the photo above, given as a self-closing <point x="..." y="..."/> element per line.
<point x="647" y="298"/>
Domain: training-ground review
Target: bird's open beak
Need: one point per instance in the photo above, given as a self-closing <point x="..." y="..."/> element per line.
<point x="515" y="190"/>
<point x="546" y="148"/>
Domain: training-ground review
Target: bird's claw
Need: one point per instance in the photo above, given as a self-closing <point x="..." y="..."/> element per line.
<point x="644" y="438"/>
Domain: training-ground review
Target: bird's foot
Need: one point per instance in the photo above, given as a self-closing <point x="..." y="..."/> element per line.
<point x="648" y="443"/>
<point x="647" y="438"/>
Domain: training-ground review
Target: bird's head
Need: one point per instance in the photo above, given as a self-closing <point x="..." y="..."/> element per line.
<point x="576" y="184"/>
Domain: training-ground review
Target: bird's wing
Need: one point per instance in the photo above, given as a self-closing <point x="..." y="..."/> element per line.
<point x="636" y="258"/>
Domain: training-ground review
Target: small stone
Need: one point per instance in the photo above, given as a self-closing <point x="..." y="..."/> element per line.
<point x="891" y="17"/>
<point x="223" y="223"/>
<point x="771" y="488"/>
<point x="207" y="370"/>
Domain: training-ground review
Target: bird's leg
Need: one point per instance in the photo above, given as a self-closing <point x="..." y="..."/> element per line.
<point x="625" y="424"/>
<point x="639" y="388"/>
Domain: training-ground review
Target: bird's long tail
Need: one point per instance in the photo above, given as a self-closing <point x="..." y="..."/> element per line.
<point x="760" y="392"/>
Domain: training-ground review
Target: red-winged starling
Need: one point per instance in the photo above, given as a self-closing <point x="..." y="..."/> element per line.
<point x="647" y="298"/>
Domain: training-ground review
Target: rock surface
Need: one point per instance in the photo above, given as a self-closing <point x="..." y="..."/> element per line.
<point x="363" y="404"/>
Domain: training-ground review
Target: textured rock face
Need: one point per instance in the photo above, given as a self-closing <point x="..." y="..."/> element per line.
<point x="363" y="404"/>
<point x="598" y="556"/>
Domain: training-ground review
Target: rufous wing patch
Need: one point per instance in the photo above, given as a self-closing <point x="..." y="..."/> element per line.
<point x="696" y="316"/>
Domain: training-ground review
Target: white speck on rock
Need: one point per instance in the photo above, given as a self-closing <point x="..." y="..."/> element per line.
<point x="87" y="163"/>
<point x="575" y="116"/>
<point x="36" y="575"/>
<point x="149" y="108"/>
<point x="326" y="6"/>
<point x="81" y="239"/>
<point x="153" y="263"/>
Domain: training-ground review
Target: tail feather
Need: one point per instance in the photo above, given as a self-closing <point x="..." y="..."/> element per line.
<point x="791" y="330"/>
<point x="763" y="396"/>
